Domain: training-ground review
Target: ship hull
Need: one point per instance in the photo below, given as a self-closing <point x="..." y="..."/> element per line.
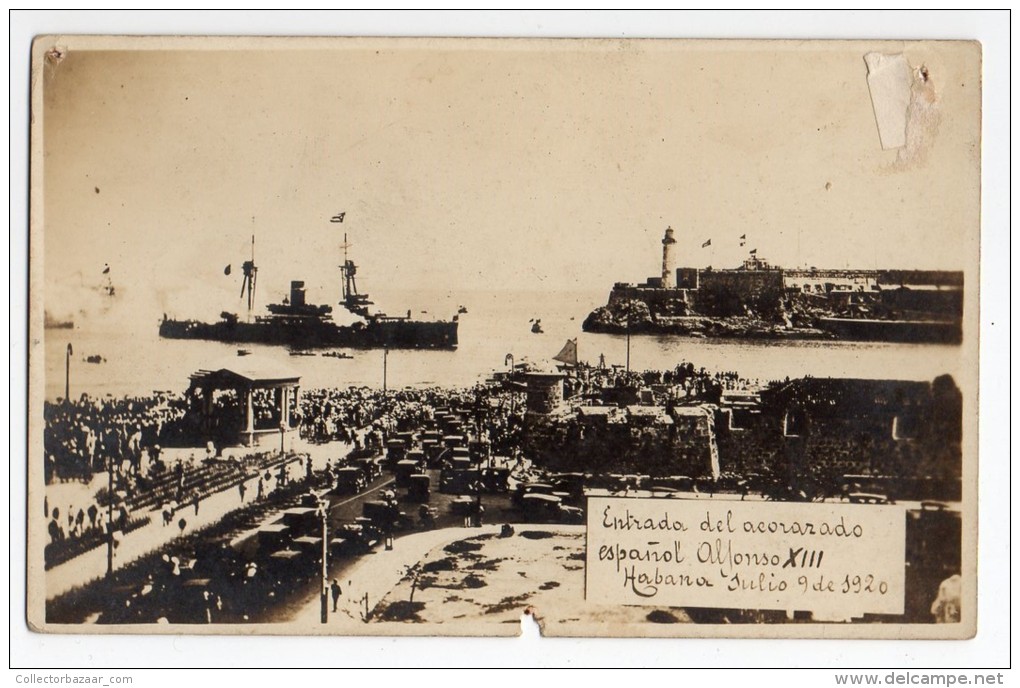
<point x="905" y="331"/>
<point x="394" y="334"/>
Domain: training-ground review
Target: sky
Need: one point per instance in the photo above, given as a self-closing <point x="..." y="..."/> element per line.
<point x="487" y="165"/>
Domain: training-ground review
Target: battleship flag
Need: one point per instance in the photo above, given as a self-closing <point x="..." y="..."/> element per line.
<point x="226" y="270"/>
<point x="339" y="217"/>
<point x="754" y="251"/>
<point x="743" y="239"/>
<point x="707" y="244"/>
<point x="743" y="236"/>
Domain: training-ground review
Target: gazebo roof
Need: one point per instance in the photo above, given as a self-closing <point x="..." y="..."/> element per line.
<point x="254" y="370"/>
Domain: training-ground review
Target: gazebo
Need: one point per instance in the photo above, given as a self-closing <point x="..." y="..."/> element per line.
<point x="254" y="425"/>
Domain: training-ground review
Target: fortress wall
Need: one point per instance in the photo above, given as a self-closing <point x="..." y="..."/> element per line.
<point x="947" y="301"/>
<point x="939" y="278"/>
<point x="749" y="283"/>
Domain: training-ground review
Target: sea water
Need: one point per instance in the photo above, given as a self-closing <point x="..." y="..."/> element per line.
<point x="497" y="323"/>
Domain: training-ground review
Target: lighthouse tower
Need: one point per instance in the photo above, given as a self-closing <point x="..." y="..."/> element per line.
<point x="668" y="260"/>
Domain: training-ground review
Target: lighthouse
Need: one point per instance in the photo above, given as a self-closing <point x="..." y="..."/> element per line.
<point x="668" y="260"/>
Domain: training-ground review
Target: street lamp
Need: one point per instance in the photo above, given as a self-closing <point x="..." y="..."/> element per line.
<point x="629" y="305"/>
<point x="323" y="511"/>
<point x="67" y="374"/>
<point x="385" y="356"/>
<point x="509" y="360"/>
<point x="109" y="518"/>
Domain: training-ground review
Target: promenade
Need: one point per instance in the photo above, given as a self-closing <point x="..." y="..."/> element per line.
<point x="92" y="565"/>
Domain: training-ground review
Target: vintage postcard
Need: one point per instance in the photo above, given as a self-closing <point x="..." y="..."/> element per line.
<point x="410" y="336"/>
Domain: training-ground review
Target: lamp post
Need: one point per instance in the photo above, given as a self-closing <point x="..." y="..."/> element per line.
<point x="323" y="509"/>
<point x="385" y="357"/>
<point x="628" y="337"/>
<point x="67" y="374"/>
<point x="109" y="518"/>
<point x="391" y="514"/>
<point x="509" y="360"/>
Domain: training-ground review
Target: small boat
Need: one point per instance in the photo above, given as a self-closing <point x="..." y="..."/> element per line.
<point x="244" y="352"/>
<point x="95" y="358"/>
<point x="302" y="353"/>
<point x="537" y="327"/>
<point x="338" y="354"/>
<point x="51" y="323"/>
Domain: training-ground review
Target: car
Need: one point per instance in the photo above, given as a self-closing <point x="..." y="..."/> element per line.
<point x="541" y="507"/>
<point x="370" y="467"/>
<point x="404" y="470"/>
<point x="868" y="498"/>
<point x="571" y="514"/>
<point x="418" y="487"/>
<point x="525" y="489"/>
<point x="463" y="506"/>
<point x="350" y="480"/>
<point x="496" y="479"/>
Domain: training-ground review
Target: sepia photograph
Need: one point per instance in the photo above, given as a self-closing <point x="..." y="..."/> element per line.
<point x="412" y="336"/>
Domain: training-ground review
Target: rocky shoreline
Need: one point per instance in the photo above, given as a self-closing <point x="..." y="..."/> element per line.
<point x="606" y="320"/>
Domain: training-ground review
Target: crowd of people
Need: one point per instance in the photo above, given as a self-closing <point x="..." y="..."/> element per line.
<point x="124" y="436"/>
<point x="72" y="522"/>
<point x="361" y="416"/>
<point x="80" y="436"/>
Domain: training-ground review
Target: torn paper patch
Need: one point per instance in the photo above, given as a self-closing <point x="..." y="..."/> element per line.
<point x="889" y="81"/>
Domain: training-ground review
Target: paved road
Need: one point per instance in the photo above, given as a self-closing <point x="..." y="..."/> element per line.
<point x="345" y="509"/>
<point x="92" y="565"/>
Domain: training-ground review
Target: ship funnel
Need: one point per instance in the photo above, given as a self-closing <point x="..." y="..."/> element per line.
<point x="297" y="293"/>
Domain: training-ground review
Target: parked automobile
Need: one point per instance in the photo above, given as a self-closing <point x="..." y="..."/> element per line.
<point x="546" y="508"/>
<point x="418" y="487"/>
<point x="350" y="480"/>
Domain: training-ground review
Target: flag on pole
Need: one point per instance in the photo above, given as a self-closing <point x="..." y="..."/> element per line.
<point x="338" y="218"/>
<point x="743" y="239"/>
<point x="707" y="244"/>
<point x="743" y="236"/>
<point x="226" y="270"/>
<point x="754" y="251"/>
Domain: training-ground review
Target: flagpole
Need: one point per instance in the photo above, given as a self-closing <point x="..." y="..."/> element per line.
<point x="628" y="339"/>
<point x="67" y="374"/>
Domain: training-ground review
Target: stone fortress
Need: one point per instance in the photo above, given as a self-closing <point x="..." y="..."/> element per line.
<point x="757" y="300"/>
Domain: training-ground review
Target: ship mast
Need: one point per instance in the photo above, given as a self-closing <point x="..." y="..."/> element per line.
<point x="250" y="276"/>
<point x="350" y="286"/>
<point x="353" y="301"/>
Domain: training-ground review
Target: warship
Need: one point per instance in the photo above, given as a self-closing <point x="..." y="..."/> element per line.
<point x="297" y="323"/>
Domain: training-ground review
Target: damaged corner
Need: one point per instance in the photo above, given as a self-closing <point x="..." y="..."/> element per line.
<point x="905" y="104"/>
